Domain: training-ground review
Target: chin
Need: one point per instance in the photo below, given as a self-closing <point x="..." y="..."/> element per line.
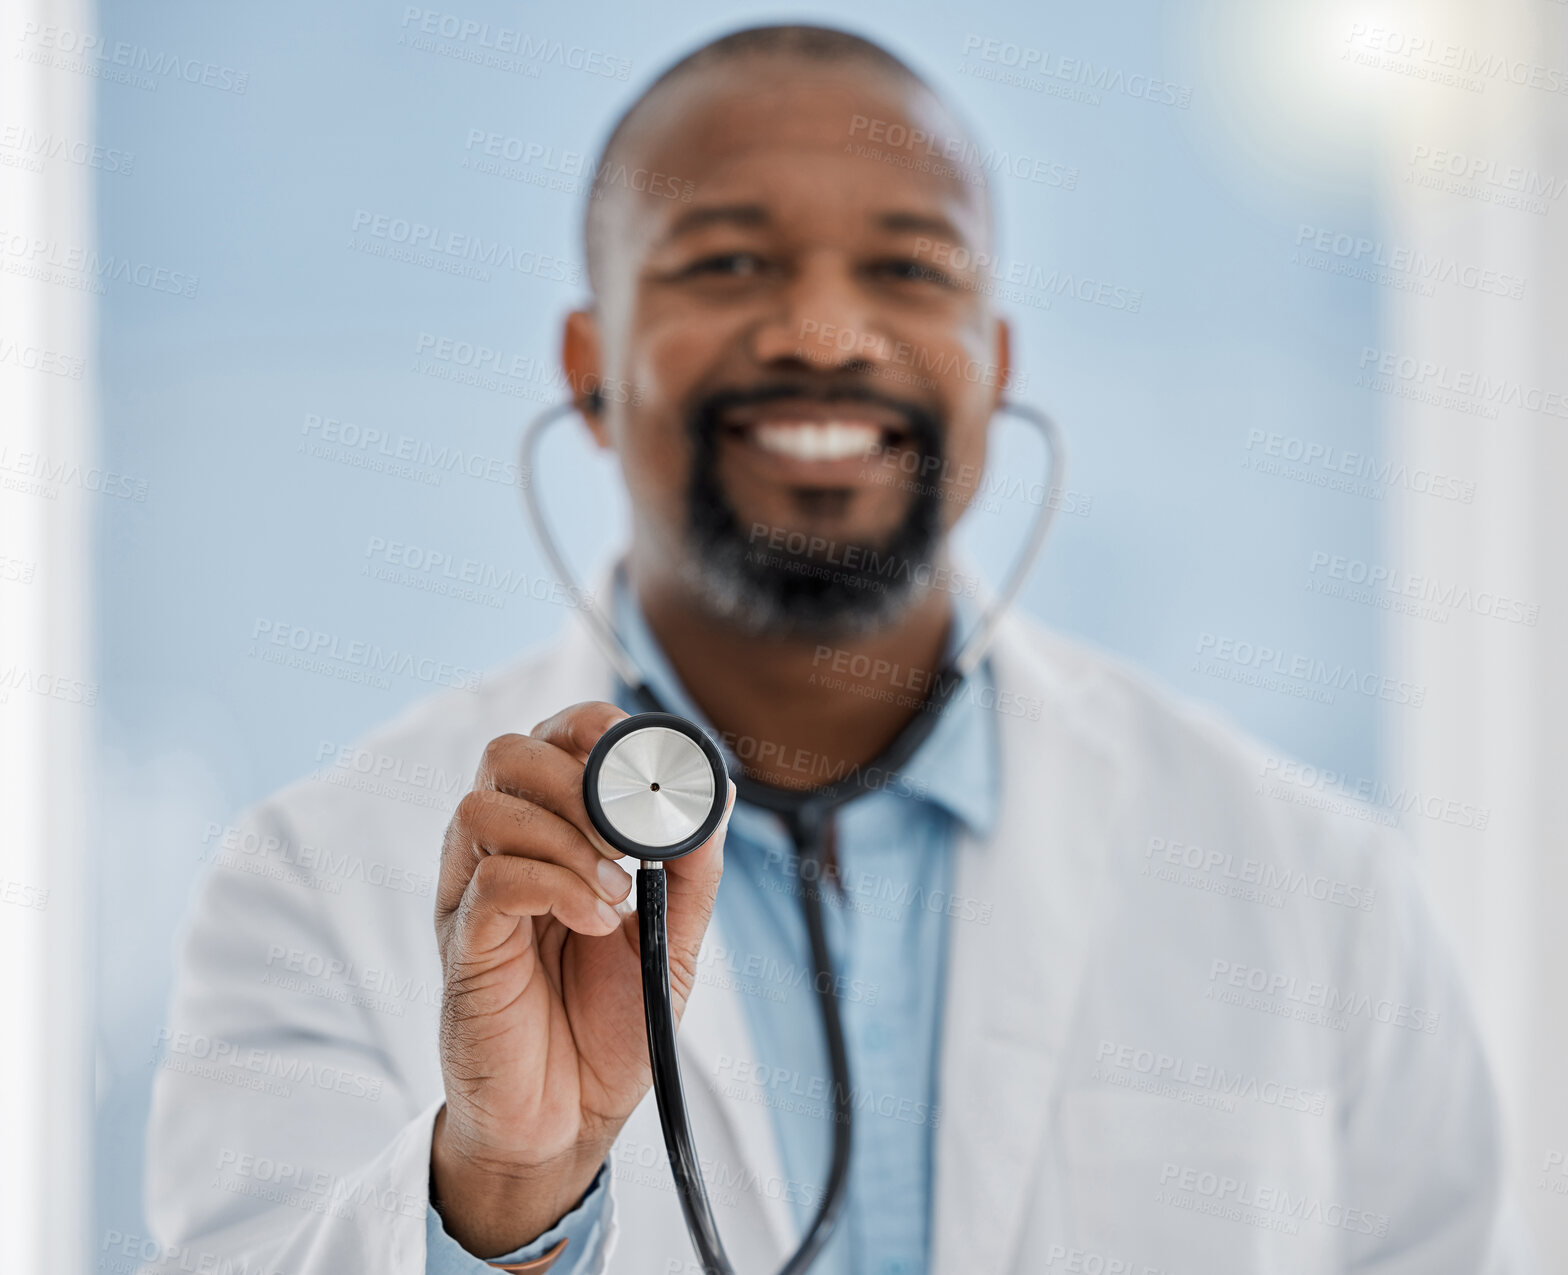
<point x="764" y="593"/>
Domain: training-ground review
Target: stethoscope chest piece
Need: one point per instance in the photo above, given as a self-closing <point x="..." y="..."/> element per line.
<point x="655" y="786"/>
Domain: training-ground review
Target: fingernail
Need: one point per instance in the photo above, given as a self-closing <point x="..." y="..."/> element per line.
<point x="614" y="881"/>
<point x="607" y="914"/>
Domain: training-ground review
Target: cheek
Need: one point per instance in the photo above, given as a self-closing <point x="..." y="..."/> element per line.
<point x="958" y="354"/>
<point x="955" y="353"/>
<point x="655" y="461"/>
<point x="655" y="456"/>
<point x="655" y="451"/>
<point x="663" y="370"/>
<point x="672" y="343"/>
<point x="670" y="354"/>
<point x="967" y="387"/>
<point x="964" y="464"/>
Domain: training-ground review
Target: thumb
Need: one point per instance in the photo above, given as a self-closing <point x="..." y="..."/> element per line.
<point x="691" y="884"/>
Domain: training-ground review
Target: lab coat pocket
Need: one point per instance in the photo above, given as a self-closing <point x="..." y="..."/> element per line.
<point x="1195" y="1182"/>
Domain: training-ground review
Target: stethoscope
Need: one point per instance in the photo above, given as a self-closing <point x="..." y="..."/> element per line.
<point x="654" y="788"/>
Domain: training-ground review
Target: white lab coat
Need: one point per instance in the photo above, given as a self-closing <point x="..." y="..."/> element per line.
<point x="1105" y="1102"/>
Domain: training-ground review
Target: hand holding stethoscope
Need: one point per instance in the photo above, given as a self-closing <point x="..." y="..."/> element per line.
<point x="542" y="1020"/>
<point x="546" y="998"/>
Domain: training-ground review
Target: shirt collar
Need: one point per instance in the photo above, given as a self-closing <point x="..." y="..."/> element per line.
<point x="956" y="768"/>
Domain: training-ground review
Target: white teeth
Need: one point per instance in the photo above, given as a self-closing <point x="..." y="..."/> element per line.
<point x="817" y="440"/>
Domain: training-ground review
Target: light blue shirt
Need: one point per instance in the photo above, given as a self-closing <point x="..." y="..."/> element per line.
<point x="887" y="931"/>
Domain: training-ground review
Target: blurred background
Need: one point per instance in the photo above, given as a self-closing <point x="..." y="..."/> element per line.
<point x="1292" y="281"/>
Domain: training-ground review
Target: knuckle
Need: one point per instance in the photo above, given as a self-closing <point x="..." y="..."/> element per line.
<point x="529" y="873"/>
<point x="523" y="814"/>
<point x="598" y="715"/>
<point x="469" y="808"/>
<point x="482" y="826"/>
<point x="497" y="876"/>
<point x="487" y="879"/>
<point x="484" y="819"/>
<point x="498" y="749"/>
<point x="586" y="720"/>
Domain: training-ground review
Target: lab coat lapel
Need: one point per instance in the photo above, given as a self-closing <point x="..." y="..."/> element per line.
<point x="1012" y="982"/>
<point x="715" y="1029"/>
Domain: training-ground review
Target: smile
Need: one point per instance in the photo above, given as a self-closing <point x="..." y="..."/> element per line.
<point x="817" y="440"/>
<point x="816" y="433"/>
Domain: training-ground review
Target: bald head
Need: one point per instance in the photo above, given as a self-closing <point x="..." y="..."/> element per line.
<point x="784" y="246"/>
<point x="752" y="57"/>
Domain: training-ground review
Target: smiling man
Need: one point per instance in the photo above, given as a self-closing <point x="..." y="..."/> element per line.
<point x="1108" y="1008"/>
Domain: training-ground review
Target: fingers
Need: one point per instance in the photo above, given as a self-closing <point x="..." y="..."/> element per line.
<point x="505" y="889"/>
<point x="546" y="767"/>
<point x="527" y="803"/>
<point x="576" y="730"/>
<point x="494" y="823"/>
<point x="526" y="810"/>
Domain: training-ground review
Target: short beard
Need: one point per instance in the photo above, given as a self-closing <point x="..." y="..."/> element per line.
<point x="765" y="589"/>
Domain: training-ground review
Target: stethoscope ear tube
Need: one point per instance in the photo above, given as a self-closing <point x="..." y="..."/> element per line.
<point x="964" y="662"/>
<point x="659" y="1014"/>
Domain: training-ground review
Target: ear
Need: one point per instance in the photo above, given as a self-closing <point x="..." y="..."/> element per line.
<point x="1004" y="361"/>
<point x="583" y="362"/>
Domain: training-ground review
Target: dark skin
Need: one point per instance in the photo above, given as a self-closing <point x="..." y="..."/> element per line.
<point x="542" y="1046"/>
<point x="846" y="242"/>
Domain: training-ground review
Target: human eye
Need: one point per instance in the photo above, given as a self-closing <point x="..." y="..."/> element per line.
<point x="911" y="270"/>
<point x="724" y="265"/>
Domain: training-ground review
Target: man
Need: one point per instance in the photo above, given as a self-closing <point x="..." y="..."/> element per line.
<point x="1108" y="1008"/>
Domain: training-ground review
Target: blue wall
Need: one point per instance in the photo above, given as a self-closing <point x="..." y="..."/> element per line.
<point x="254" y="516"/>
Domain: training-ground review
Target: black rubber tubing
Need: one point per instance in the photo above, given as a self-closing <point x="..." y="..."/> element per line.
<point x="807" y="828"/>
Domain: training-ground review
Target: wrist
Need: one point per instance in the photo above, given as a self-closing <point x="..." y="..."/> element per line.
<point x="495" y="1204"/>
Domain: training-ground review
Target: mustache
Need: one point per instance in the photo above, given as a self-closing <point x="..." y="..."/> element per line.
<point x="778" y="596"/>
<point x="923" y="426"/>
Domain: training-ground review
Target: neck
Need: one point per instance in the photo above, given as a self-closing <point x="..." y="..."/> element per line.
<point x="798" y="712"/>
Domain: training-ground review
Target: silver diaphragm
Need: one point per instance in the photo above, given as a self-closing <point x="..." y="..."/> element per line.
<point x="655" y="786"/>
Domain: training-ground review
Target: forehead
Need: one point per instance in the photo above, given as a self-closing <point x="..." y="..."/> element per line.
<point x="808" y="140"/>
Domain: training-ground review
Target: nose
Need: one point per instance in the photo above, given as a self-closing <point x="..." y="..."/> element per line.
<point x="823" y="321"/>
